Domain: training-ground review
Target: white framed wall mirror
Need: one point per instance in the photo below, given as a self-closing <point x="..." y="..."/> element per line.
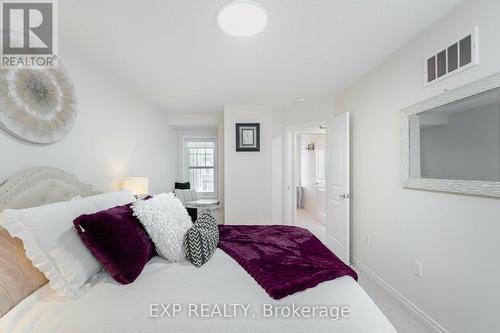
<point x="451" y="142"/>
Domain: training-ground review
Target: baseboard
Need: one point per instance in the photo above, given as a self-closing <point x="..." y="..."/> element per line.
<point x="425" y="318"/>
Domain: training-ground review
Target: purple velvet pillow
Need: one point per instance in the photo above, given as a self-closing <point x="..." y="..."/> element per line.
<point x="117" y="240"/>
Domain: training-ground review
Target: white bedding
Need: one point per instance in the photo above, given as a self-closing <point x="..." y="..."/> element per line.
<point x="110" y="307"/>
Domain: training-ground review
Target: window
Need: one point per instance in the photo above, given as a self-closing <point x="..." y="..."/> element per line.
<point x="200" y="162"/>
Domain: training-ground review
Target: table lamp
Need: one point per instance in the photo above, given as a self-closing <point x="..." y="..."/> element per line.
<point x="137" y="185"/>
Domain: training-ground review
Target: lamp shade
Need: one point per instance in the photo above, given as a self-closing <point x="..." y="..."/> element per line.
<point x="136" y="185"/>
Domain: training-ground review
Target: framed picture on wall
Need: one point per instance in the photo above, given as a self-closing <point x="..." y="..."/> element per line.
<point x="248" y="137"/>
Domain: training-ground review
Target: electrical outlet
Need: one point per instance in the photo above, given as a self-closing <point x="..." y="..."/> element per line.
<point x="367" y="240"/>
<point x="417" y="268"/>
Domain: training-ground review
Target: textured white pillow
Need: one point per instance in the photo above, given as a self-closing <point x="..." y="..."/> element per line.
<point x="52" y="244"/>
<point x="166" y="221"/>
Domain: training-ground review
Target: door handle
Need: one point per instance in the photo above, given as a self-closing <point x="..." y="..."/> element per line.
<point x="344" y="196"/>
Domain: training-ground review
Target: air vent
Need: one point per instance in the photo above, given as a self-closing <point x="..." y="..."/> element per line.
<point x="453" y="59"/>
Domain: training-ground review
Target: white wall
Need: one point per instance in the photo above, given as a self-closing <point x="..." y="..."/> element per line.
<point x="467" y="147"/>
<point x="116" y="134"/>
<point x="190" y="120"/>
<point x="277" y="151"/>
<point x="248" y="175"/>
<point x="454" y="236"/>
<point x="307" y="112"/>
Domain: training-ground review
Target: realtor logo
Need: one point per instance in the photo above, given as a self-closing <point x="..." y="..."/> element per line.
<point x="29" y="33"/>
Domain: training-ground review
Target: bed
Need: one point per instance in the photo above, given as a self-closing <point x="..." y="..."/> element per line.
<point x="176" y="297"/>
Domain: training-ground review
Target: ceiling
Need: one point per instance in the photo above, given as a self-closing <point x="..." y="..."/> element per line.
<point x="173" y="53"/>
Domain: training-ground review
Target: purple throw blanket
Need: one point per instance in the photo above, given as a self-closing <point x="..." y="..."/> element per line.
<point x="282" y="259"/>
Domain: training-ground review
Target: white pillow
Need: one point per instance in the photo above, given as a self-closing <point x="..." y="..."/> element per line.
<point x="111" y="199"/>
<point x="52" y="244"/>
<point x="186" y="195"/>
<point x="167" y="222"/>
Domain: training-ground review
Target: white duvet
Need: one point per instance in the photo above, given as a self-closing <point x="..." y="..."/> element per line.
<point x="110" y="307"/>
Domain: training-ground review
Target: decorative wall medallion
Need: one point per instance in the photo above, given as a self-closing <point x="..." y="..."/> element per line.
<point x="37" y="105"/>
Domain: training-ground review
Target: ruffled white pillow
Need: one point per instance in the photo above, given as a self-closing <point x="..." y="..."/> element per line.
<point x="52" y="244"/>
<point x="167" y="222"/>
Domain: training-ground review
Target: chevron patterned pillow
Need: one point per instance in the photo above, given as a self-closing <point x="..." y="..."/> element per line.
<point x="202" y="239"/>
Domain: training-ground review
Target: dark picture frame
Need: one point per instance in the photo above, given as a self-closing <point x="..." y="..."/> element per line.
<point x="248" y="137"/>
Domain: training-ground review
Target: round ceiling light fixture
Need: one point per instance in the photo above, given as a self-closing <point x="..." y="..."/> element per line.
<point x="242" y="18"/>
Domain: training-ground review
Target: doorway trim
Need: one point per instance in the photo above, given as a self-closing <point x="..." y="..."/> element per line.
<point x="291" y="168"/>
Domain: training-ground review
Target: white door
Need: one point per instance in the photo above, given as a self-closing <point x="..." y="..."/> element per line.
<point x="337" y="186"/>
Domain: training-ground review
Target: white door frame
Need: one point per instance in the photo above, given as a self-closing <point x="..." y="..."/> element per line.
<point x="291" y="169"/>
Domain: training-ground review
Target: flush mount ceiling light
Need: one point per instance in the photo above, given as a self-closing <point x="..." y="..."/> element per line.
<point x="242" y="18"/>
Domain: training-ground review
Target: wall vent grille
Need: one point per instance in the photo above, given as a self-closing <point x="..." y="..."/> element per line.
<point x="453" y="59"/>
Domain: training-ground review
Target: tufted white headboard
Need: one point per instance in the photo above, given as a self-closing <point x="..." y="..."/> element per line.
<point x="33" y="187"/>
<point x="40" y="186"/>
